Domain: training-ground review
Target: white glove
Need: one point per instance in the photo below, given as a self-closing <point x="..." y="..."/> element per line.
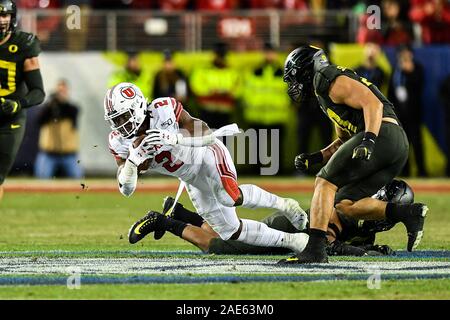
<point x="162" y="137"/>
<point x="143" y="152"/>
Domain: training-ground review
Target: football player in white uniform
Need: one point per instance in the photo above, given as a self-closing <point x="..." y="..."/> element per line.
<point x="171" y="142"/>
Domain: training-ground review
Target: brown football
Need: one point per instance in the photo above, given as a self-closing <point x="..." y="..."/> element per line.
<point x="146" y="164"/>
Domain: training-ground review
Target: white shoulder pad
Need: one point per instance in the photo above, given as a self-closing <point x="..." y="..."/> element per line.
<point x="165" y="113"/>
<point x="118" y="146"/>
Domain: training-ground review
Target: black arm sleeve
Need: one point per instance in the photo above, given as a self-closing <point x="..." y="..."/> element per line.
<point x="36" y="94"/>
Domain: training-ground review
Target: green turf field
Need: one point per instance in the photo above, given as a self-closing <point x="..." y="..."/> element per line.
<point x="40" y="228"/>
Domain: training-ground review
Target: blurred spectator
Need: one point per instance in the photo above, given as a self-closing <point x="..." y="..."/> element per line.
<point x="370" y="69"/>
<point x="77" y="38"/>
<point x="58" y="136"/>
<point x="132" y="72"/>
<point x="445" y="97"/>
<point x="434" y="19"/>
<point x="406" y="89"/>
<point x="216" y="5"/>
<point x="216" y="88"/>
<point x="170" y="81"/>
<point x="45" y="24"/>
<point x="265" y="102"/>
<point x="343" y="4"/>
<point x="171" y="5"/>
<point x="366" y="34"/>
<point x="279" y="4"/>
<point x="395" y="29"/>
<point x="123" y="4"/>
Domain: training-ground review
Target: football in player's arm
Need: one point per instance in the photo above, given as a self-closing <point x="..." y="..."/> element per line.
<point x="128" y="168"/>
<point x="21" y="84"/>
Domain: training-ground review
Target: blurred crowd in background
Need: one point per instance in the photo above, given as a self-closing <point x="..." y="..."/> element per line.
<point x="258" y="100"/>
<point x="402" y="21"/>
<point x="220" y="94"/>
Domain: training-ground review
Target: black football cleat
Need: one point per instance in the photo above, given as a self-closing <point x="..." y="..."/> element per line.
<point x="338" y="248"/>
<point x="167" y="204"/>
<point x="414" y="225"/>
<point x="315" y="252"/>
<point x="144" y="226"/>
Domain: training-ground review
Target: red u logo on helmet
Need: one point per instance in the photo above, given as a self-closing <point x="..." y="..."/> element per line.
<point x="128" y="92"/>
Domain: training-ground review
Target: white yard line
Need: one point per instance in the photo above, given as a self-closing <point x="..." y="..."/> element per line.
<point x="196" y="266"/>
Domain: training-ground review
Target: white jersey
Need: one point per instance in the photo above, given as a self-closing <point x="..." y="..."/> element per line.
<point x="179" y="161"/>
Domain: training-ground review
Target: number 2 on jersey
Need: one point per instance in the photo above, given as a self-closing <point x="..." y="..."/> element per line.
<point x="169" y="165"/>
<point x="161" y="103"/>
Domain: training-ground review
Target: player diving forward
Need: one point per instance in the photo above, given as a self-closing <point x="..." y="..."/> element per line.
<point x="346" y="235"/>
<point x="197" y="158"/>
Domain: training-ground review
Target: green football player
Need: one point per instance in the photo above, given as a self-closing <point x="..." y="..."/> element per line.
<point x="370" y="151"/>
<point x="20" y="84"/>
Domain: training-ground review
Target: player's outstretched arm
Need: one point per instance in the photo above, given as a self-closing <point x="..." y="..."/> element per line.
<point x="193" y="133"/>
<point x="194" y="127"/>
<point x="126" y="177"/>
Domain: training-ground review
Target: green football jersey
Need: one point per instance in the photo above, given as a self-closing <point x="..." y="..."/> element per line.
<point x="13" y="53"/>
<point x="347" y="118"/>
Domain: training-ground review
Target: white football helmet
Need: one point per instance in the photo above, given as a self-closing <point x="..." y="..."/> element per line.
<point x="125" y="108"/>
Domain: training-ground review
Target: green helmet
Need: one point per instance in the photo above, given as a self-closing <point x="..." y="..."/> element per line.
<point x="8" y="7"/>
<point x="299" y="70"/>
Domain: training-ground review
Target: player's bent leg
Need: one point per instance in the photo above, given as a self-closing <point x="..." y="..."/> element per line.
<point x="182" y="214"/>
<point x="219" y="246"/>
<point x="154" y="221"/>
<point x="259" y="234"/>
<point x="256" y="197"/>
<point x="10" y="140"/>
<point x="178" y="213"/>
<point x="225" y="222"/>
<point x="320" y="212"/>
<point x="222" y="175"/>
<point x="412" y="216"/>
<point x="198" y="237"/>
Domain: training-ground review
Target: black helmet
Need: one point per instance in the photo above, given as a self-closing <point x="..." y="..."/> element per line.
<point x="396" y="191"/>
<point x="8" y="7"/>
<point x="299" y="69"/>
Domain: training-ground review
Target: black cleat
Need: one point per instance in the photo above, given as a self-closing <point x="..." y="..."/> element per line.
<point x="144" y="226"/>
<point x="315" y="252"/>
<point x="167" y="204"/>
<point x="338" y="248"/>
<point x="414" y="225"/>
